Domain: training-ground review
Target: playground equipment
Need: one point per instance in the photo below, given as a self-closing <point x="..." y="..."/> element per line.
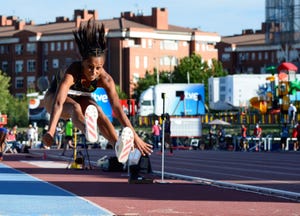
<point x="274" y="98"/>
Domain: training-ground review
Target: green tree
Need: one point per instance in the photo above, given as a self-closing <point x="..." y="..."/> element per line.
<point x="198" y="71"/>
<point x="15" y="109"/>
<point x="121" y="94"/>
<point x="144" y="83"/>
<point x="17" y="112"/>
<point x="4" y="92"/>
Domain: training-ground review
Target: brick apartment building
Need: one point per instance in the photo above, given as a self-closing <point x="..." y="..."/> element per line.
<point x="252" y="52"/>
<point x="136" y="44"/>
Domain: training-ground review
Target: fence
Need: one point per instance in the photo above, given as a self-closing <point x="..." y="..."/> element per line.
<point x="231" y="117"/>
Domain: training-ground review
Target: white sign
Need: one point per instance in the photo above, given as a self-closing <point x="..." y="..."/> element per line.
<point x="186" y="127"/>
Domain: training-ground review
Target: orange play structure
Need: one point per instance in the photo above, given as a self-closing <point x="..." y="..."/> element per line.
<point x="277" y="99"/>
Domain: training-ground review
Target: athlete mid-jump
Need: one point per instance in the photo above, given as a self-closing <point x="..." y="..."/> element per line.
<point x="85" y="76"/>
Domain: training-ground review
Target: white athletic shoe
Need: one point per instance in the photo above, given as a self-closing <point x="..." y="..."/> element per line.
<point x="124" y="145"/>
<point x="91" y="129"/>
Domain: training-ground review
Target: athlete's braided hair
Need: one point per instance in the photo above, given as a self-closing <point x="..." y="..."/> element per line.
<point x="90" y="39"/>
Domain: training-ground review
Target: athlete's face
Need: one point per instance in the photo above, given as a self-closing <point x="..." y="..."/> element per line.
<point x="92" y="67"/>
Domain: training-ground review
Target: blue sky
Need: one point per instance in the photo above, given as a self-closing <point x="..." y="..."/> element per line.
<point x="226" y="17"/>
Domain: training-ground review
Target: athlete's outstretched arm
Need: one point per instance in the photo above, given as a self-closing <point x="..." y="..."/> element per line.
<point x="109" y="85"/>
<point x="57" y="107"/>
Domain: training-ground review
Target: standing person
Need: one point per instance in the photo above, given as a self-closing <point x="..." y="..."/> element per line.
<point x="44" y="131"/>
<point x="212" y="136"/>
<point x="257" y="134"/>
<point x="84" y="77"/>
<point x="3" y="135"/>
<point x="295" y="135"/>
<point x="292" y="111"/>
<point x="31" y="134"/>
<point x="68" y="135"/>
<point x="244" y="141"/>
<point x="168" y="134"/>
<point x="156" y="129"/>
<point x="298" y="135"/>
<point x="284" y="136"/>
<point x="58" y="135"/>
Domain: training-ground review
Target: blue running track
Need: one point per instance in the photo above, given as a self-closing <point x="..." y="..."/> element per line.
<point x="22" y="194"/>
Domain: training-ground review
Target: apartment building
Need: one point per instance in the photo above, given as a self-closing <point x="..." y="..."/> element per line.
<point x="136" y="43"/>
<point x="277" y="41"/>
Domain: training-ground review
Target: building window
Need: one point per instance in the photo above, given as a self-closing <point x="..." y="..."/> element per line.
<point x="144" y="43"/>
<point x="65" y="45"/>
<point x="52" y="47"/>
<point x="55" y="63"/>
<point x="150" y="44"/>
<point x="46" y="65"/>
<point x="30" y="82"/>
<point x="4" y="49"/>
<point x="225" y="57"/>
<point x="169" y="45"/>
<point x="31" y="47"/>
<point x="137" y="62"/>
<point x="4" y="66"/>
<point x="266" y="55"/>
<point x="19" y="82"/>
<point x="259" y="56"/>
<point x="20" y="96"/>
<point x="45" y="48"/>
<point x="19" y="49"/>
<point x="253" y="57"/>
<point x="19" y="66"/>
<point x="31" y="66"/>
<point x="197" y="47"/>
<point x="68" y="61"/>
<point x="145" y="62"/>
<point x="58" y="46"/>
<point x="71" y="45"/>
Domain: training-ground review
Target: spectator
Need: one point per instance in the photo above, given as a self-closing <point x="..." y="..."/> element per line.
<point x="284" y="136"/>
<point x="68" y="136"/>
<point x="244" y="141"/>
<point x="292" y="111"/>
<point x="221" y="138"/>
<point x="295" y="135"/>
<point x="31" y="134"/>
<point x="212" y="135"/>
<point x="58" y="135"/>
<point x="12" y="140"/>
<point x="45" y="129"/>
<point x="167" y="134"/>
<point x="156" y="129"/>
<point x="298" y="134"/>
<point x="3" y="135"/>
<point x="257" y="134"/>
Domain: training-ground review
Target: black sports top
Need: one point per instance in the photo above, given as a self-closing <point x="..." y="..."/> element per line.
<point x="76" y="86"/>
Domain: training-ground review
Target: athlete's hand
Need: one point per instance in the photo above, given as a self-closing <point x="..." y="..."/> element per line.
<point x="145" y="148"/>
<point x="48" y="139"/>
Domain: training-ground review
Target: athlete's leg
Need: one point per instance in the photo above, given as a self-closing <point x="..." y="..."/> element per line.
<point x="71" y="109"/>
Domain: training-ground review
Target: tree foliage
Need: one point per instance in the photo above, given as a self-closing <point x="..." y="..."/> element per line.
<point x="4" y="92"/>
<point x="15" y="109"/>
<point x="121" y="94"/>
<point x="144" y="83"/>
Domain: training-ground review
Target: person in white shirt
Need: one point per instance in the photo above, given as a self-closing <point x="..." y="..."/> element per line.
<point x="292" y="111"/>
<point x="31" y="135"/>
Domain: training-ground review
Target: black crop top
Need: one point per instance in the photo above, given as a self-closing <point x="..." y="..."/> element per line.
<point x="76" y="86"/>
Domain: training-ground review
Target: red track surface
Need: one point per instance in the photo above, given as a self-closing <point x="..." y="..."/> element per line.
<point x="112" y="191"/>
